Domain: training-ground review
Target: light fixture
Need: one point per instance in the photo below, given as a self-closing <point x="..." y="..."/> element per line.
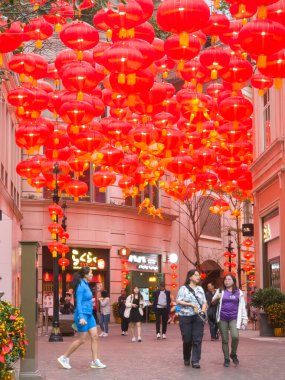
<point x="173" y="258"/>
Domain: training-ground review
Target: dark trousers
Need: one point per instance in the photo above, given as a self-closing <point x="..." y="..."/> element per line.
<point x="163" y="315"/>
<point x="124" y="323"/>
<point x="192" y="330"/>
<point x="213" y="326"/>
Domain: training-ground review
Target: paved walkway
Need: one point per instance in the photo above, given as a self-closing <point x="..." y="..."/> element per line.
<point x="260" y="358"/>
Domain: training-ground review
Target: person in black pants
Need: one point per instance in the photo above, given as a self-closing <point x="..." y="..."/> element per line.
<point x="212" y="311"/>
<point x="122" y="307"/>
<point x="193" y="305"/>
<point x="161" y="306"/>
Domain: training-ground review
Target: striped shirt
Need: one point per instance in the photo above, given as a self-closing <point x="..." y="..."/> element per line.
<point x="185" y="295"/>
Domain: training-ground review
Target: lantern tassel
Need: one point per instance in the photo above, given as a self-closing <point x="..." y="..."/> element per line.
<point x="39" y="44"/>
<point x="131" y="79"/>
<point x="261" y="61"/>
<point x="278" y="83"/>
<point x="184" y="39"/>
<point x="1" y="60"/>
<point x="260" y="92"/>
<point x="214" y="74"/>
<point x="262" y="12"/>
<point x="58" y="28"/>
<point x="121" y="78"/>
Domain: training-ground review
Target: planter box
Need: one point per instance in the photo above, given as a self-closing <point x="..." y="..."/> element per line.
<point x="265" y="328"/>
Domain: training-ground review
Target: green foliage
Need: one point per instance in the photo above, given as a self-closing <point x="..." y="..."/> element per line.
<point x="276" y="314"/>
<point x="158" y="32"/>
<point x="115" y="307"/>
<point x="12" y="336"/>
<point x="263" y="298"/>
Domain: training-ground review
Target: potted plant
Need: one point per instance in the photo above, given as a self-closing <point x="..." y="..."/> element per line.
<point x="116" y="312"/>
<point x="262" y="299"/>
<point x="12" y="339"/>
<point x="276" y="318"/>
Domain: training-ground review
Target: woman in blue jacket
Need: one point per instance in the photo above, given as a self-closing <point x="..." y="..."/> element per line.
<point x="84" y="319"/>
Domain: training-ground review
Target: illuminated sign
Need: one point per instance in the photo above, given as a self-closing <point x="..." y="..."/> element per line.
<point x="144" y="262"/>
<point x="86" y="259"/>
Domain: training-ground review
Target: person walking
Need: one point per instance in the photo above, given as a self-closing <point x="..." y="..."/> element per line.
<point x="134" y="312"/>
<point x="94" y="304"/>
<point x="122" y="308"/>
<point x="105" y="310"/>
<point x="84" y="319"/>
<point x="212" y="311"/>
<point x="161" y="307"/>
<point x="231" y="316"/>
<point x="192" y="312"/>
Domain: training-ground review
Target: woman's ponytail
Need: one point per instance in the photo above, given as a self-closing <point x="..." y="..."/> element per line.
<point x="78" y="276"/>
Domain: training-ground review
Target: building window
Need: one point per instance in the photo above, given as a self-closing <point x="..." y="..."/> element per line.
<point x="274" y="274"/>
<point x="150" y="192"/>
<point x="93" y="194"/>
<point x="266" y="120"/>
<point x="210" y="224"/>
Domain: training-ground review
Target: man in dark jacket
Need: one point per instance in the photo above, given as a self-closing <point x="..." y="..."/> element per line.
<point x="122" y="307"/>
<point x="212" y="311"/>
<point x="161" y="306"/>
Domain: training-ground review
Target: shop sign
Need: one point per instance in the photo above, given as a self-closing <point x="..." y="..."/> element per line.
<point x="86" y="259"/>
<point x="266" y="232"/>
<point x="144" y="262"/>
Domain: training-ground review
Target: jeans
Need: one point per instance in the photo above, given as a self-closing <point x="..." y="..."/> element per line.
<point x="192" y="331"/>
<point x="164" y="317"/>
<point x="124" y="324"/>
<point x="224" y="327"/>
<point x="104" y="322"/>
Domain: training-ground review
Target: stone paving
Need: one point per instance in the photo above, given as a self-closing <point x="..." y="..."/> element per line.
<point x="260" y="358"/>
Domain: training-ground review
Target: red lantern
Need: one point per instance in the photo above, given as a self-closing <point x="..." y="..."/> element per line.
<point x="39" y="30"/>
<point x="181" y="53"/>
<point x="247" y="243"/>
<point x="10" y="38"/>
<point x="78" y="112"/>
<point x="63" y="262"/>
<point x="76" y="188"/>
<point x="261" y="82"/>
<point x="247" y="267"/>
<point x="103" y="179"/>
<point x="218" y="23"/>
<point x="55" y="212"/>
<point x="60" y="11"/>
<point x="276" y="12"/>
<point x="214" y="59"/>
<point x="235" y="108"/>
<point x="79" y="36"/>
<point x="262" y="38"/>
<point x="55" y="228"/>
<point x="238" y="71"/>
<point x="182" y="17"/>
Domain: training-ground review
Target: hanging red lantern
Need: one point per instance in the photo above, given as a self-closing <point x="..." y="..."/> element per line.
<point x="276" y="12"/>
<point x="76" y="188"/>
<point x="247" y="243"/>
<point x="63" y="262"/>
<point x="182" y="17"/>
<point x="126" y="16"/>
<point x="247" y="267"/>
<point x="262" y="37"/>
<point x="20" y="97"/>
<point x="103" y="179"/>
<point x="237" y="71"/>
<point x="55" y="212"/>
<point x="235" y="108"/>
<point x="77" y="112"/>
<point x="247" y="255"/>
<point x="31" y="136"/>
<point x="10" y="38"/>
<point x="28" y="168"/>
<point x="181" y="53"/>
<point x="59" y="13"/>
<point x="37" y="29"/>
<point x="79" y="36"/>
<point x="261" y="82"/>
<point x="55" y="228"/>
<point x="214" y="59"/>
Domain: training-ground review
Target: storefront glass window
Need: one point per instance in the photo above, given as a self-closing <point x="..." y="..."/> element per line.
<point x="274" y="272"/>
<point x="210" y="224"/>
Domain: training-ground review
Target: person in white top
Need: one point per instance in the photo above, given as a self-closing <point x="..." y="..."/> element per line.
<point x="105" y="311"/>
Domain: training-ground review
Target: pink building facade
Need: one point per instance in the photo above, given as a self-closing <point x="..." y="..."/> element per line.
<point x="269" y="188"/>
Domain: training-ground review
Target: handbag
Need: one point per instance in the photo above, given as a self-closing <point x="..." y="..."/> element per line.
<point x="203" y="316"/>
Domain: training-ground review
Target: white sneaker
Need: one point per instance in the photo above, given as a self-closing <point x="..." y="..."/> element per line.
<point x="102" y="333"/>
<point x="97" y="364"/>
<point x="105" y="334"/>
<point x="158" y="336"/>
<point x="64" y="362"/>
<point x="139" y="339"/>
<point x="163" y="336"/>
<point x="134" y="339"/>
<point x="123" y="333"/>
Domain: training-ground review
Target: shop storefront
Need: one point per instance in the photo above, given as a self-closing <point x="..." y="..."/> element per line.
<point x="145" y="273"/>
<point x="271" y="250"/>
<point x="97" y="259"/>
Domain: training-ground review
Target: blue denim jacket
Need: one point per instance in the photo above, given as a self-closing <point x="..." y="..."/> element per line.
<point x="83" y="300"/>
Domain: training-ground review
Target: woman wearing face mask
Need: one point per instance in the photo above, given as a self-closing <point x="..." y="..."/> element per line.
<point x="192" y="312"/>
<point x="84" y="319"/>
<point x="231" y="316"/>
<point x="134" y="312"/>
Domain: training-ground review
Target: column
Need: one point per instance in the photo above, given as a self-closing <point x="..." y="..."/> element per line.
<point x="29" y="308"/>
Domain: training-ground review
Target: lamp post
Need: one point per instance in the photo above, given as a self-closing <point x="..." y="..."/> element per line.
<point x="64" y="226"/>
<point x="229" y="248"/>
<point x="56" y="335"/>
